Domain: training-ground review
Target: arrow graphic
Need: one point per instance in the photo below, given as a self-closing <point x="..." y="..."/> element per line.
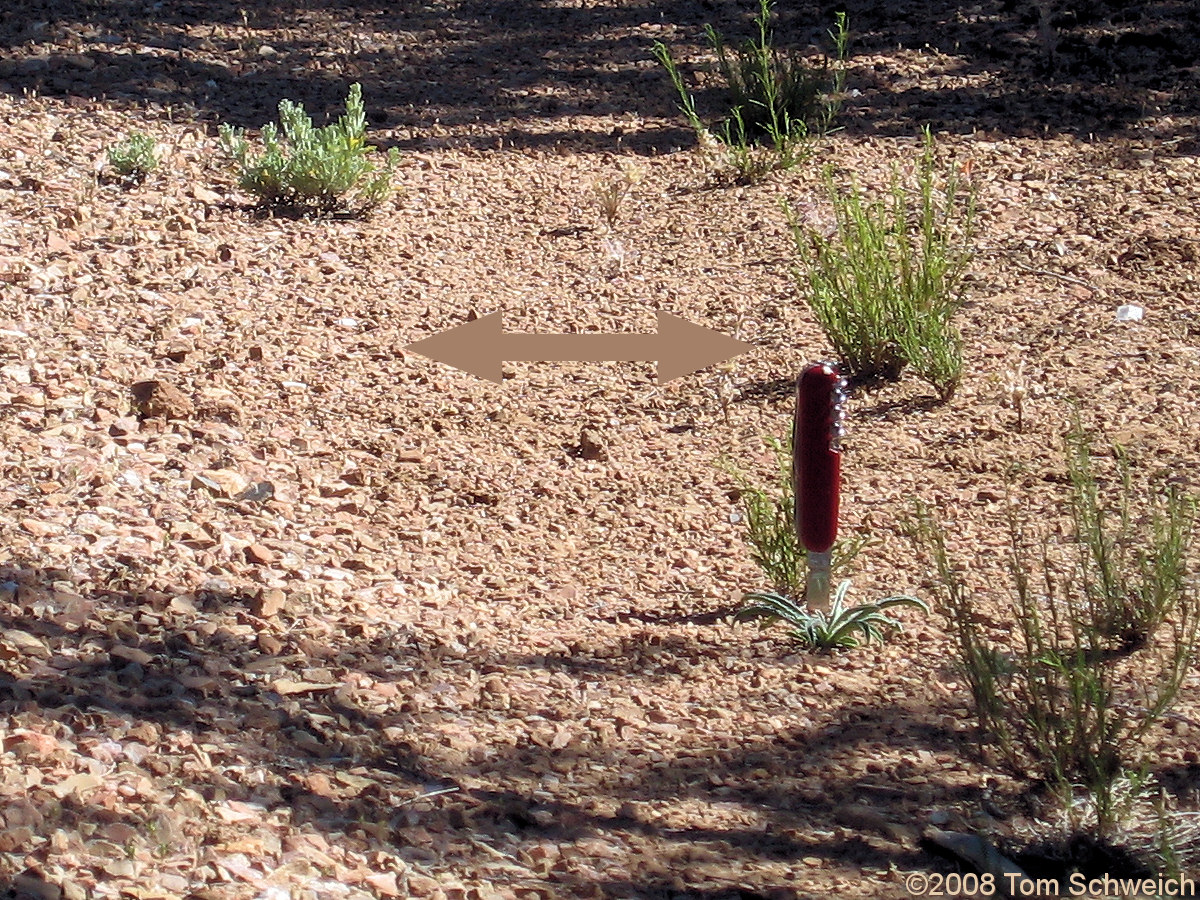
<point x="482" y="347"/>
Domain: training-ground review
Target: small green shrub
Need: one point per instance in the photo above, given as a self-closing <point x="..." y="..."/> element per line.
<point x="1128" y="592"/>
<point x="886" y="284"/>
<point x="1105" y="627"/>
<point x="776" y="100"/>
<point x="841" y="628"/>
<point x="134" y="158"/>
<point x="323" y="169"/>
<point x="773" y="92"/>
<point x="775" y="547"/>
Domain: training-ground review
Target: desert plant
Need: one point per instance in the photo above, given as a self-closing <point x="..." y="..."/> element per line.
<point x="885" y="285"/>
<point x="775" y="547"/>
<point x="610" y="193"/>
<point x="794" y="530"/>
<point x="1015" y="388"/>
<point x="840" y="628"/>
<point x="1128" y="591"/>
<point x="1175" y="835"/>
<point x="776" y="100"/>
<point x="134" y="158"/>
<point x="1081" y="679"/>
<point x="323" y="169"/>
<point x="771" y="531"/>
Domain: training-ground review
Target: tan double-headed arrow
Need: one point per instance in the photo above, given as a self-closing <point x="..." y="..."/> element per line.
<point x="482" y="347"/>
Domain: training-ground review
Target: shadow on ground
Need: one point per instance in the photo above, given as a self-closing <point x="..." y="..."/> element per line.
<point x="516" y="72"/>
<point x="208" y="691"/>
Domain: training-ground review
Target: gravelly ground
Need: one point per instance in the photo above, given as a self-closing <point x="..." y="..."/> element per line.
<point x="473" y="641"/>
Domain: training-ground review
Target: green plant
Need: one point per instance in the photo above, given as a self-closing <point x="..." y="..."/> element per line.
<point x="775" y="547"/>
<point x="771" y="531"/>
<point x="134" y="158"/>
<point x="324" y="169"/>
<point x="1081" y="678"/>
<point x="778" y="551"/>
<point x="794" y="529"/>
<point x="886" y="284"/>
<point x="840" y="628"/>
<point x="1128" y="591"/>
<point x="776" y="100"/>
<point x="752" y="163"/>
<point x="1176" y="835"/>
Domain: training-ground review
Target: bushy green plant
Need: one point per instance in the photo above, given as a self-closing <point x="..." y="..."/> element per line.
<point x="776" y="99"/>
<point x="840" y="628"/>
<point x="323" y="169"/>
<point x="773" y="92"/>
<point x="1128" y="590"/>
<point x="1082" y="677"/>
<point x="134" y="158"/>
<point x="885" y="285"/>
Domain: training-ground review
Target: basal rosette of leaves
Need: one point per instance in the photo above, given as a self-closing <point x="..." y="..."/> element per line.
<point x="841" y="627"/>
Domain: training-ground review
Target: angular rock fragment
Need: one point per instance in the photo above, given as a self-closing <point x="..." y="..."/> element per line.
<point x="156" y="398"/>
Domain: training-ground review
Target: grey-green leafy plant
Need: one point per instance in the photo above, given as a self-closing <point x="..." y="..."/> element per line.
<point x="1105" y="626"/>
<point x="776" y="100"/>
<point x="840" y="628"/>
<point x="134" y="158"/>
<point x="323" y="169"/>
<point x="885" y="285"/>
